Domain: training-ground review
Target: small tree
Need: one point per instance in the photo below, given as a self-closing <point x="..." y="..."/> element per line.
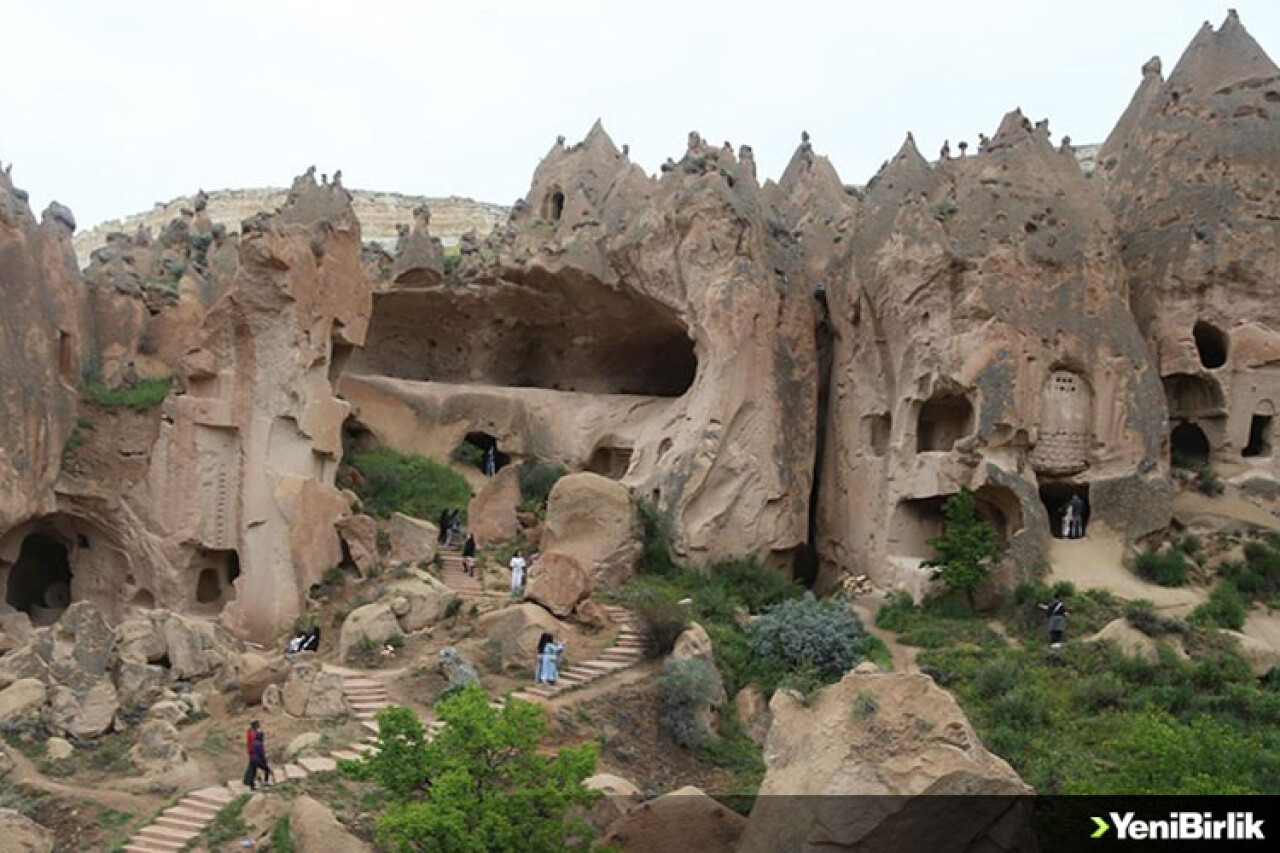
<point x="480" y="785"/>
<point x="967" y="547"/>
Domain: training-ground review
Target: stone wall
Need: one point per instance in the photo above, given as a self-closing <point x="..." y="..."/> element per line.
<point x="379" y="214"/>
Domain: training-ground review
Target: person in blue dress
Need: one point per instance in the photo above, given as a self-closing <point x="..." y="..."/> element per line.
<point x="549" y="652"/>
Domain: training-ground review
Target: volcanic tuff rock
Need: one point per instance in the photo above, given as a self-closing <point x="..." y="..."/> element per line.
<point x="654" y="330"/>
<point x="1192" y="172"/>
<point x="896" y="740"/>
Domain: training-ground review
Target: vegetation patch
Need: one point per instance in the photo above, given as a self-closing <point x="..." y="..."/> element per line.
<point x="390" y="481"/>
<point x="141" y="396"/>
<point x="1166" y="568"/>
<point x="228" y="824"/>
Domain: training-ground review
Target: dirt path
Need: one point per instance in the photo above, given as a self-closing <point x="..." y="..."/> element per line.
<point x="604" y="685"/>
<point x="25" y="773"/>
<point x="904" y="657"/>
<point x="1192" y="509"/>
<point x="1098" y="561"/>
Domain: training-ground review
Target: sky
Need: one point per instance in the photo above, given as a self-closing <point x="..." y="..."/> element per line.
<point x="111" y="107"/>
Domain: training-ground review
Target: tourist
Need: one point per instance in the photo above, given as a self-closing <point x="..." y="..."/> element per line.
<point x="518" y="565"/>
<point x="312" y="642"/>
<point x="545" y="640"/>
<point x="455" y="528"/>
<point x="469" y="555"/>
<point x="549" y="660"/>
<point x="295" y="644"/>
<point x="259" y="758"/>
<point x="1068" y="520"/>
<point x="1057" y="611"/>
<point x="490" y="460"/>
<point x="1076" y="507"/>
<point x="445" y="519"/>
<point x="255" y="745"/>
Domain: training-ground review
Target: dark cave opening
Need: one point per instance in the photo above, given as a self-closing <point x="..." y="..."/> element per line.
<point x="40" y="581"/>
<point x="1211" y="344"/>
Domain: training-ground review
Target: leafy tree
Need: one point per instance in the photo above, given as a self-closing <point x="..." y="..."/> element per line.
<point x="480" y="785"/>
<point x="967" y="547"/>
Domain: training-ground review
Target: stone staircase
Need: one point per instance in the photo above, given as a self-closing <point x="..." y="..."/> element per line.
<point x="626" y="652"/>
<point x="177" y="825"/>
<point x="454" y="577"/>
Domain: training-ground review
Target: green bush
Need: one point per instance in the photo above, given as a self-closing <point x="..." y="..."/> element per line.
<point x="656" y="537"/>
<point x="391" y="481"/>
<point x="663" y="622"/>
<point x="1226" y="608"/>
<point x="751" y="585"/>
<point x="1208" y="483"/>
<point x="805" y="632"/>
<point x="688" y="685"/>
<point x="536" y="479"/>
<point x="1258" y="577"/>
<point x="1166" y="568"/>
<point x="282" y="837"/>
<point x="141" y="396"/>
<point x="1141" y="614"/>
<point x="480" y="784"/>
<point x="865" y="705"/>
<point x="998" y="677"/>
<point x="1103" y="690"/>
<point x="967" y="547"/>
<point x="467" y="453"/>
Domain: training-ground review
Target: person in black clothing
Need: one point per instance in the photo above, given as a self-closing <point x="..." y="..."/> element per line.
<point x="1077" y="516"/>
<point x="1057" y="611"/>
<point x="469" y="555"/>
<point x="312" y="642"/>
<point x="257" y="756"/>
<point x="446" y="519"/>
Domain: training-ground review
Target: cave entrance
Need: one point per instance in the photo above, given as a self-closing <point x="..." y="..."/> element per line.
<point x="1193" y="397"/>
<point x="553" y="207"/>
<point x="877" y="431"/>
<point x="1259" y="437"/>
<point x="610" y="461"/>
<point x="481" y="449"/>
<point x="943" y="421"/>
<point x="356" y="437"/>
<point x="915" y="521"/>
<point x="1056" y="498"/>
<point x="1188" y="447"/>
<point x="999" y="507"/>
<point x="1211" y="344"/>
<point x="40" y="581"/>
<point x="216" y="572"/>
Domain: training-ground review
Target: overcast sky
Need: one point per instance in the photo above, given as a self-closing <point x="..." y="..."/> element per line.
<point x="110" y="107"/>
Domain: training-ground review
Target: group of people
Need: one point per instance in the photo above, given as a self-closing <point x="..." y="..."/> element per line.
<point x="1073" y="518"/>
<point x="255" y="744"/>
<point x="450" y="524"/>
<point x="304" y="641"/>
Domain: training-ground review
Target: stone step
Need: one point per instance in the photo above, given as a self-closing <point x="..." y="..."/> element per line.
<point x="217" y="797"/>
<point x="349" y="683"/>
<point x="165" y="833"/>
<point x="193" y="813"/>
<point x="293" y="771"/>
<point x="362" y="748"/>
<point x="151" y="845"/>
<point x="318" y="764"/>
<point x="181" y="823"/>
<point x="371" y="725"/>
<point x="369" y="705"/>
<point x="344" y="755"/>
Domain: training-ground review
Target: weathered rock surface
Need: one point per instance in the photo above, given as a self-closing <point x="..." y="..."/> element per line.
<point x="306" y="743"/>
<point x="372" y="623"/>
<point x="592" y="518"/>
<point x="24" y="835"/>
<point x="316" y="830"/>
<point x="158" y="747"/>
<point x="907" y="740"/>
<point x="514" y="632"/>
<point x="360" y="534"/>
<point x="427" y="600"/>
<point x="457" y="670"/>
<point x="22" y="698"/>
<point x="412" y="539"/>
<point x="58" y="749"/>
<point x="1262" y="657"/>
<point x="620" y="796"/>
<point x="753" y="713"/>
<point x="491" y="515"/>
<point x="685" y="819"/>
<point x="314" y="693"/>
<point x="1131" y="641"/>
<point x="558" y="582"/>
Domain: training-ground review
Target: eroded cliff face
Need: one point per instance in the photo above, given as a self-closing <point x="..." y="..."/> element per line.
<point x="656" y="330"/>
<point x="1192" y="172"/>
<point x="982" y="338"/>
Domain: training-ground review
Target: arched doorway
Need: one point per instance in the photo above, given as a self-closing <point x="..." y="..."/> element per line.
<point x="943" y="421"/>
<point x="39" y="583"/>
<point x="1211" y="344"/>
<point x="1188" y="447"/>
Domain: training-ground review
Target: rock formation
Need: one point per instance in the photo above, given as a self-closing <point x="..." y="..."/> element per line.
<point x="657" y="331"/>
<point x="1192" y="172"/>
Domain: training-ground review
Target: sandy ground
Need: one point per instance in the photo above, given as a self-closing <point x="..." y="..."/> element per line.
<point x="1098" y="561"/>
<point x="1196" y="510"/>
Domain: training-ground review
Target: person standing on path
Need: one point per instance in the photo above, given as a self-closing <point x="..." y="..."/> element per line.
<point x="1057" y="610"/>
<point x="257" y="754"/>
<point x="1076" y="507"/>
<point x="518" y="564"/>
<point x="469" y="555"/>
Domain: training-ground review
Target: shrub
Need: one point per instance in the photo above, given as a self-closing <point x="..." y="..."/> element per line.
<point x="896" y="613"/>
<point x="945" y="209"/>
<point x="402" y="482"/>
<point x="282" y="837"/>
<point x="688" y="687"/>
<point x="967" y="547"/>
<point x="536" y="479"/>
<point x="656" y="535"/>
<point x="453" y="608"/>
<point x="451" y="262"/>
<point x="1103" y="690"/>
<point x="140" y="396"/>
<point x="865" y="705"/>
<point x="1141" y="614"/>
<point x="1024" y="707"/>
<point x="750" y="584"/>
<point x="997" y="677"/>
<point x="663" y="621"/>
<point x="467" y="453"/>
<point x="1189" y="544"/>
<point x="1207" y="482"/>
<point x="805" y="632"/>
<point x="1225" y="608"/>
<point x="1166" y="568"/>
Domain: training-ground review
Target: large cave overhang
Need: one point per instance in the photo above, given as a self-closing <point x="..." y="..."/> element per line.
<point x="564" y="331"/>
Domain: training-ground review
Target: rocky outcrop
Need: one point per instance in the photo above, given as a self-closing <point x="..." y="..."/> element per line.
<point x="685" y="819"/>
<point x="981" y="338"/>
<point x="313" y="692"/>
<point x="491" y="515"/>
<point x="1191" y="173"/>
<point x="514" y="631"/>
<point x="316" y="830"/>
<point x="620" y="796"/>
<point x="413" y="540"/>
<point x="559" y="583"/>
<point x="368" y="624"/>
<point x="593" y="519"/>
<point x="24" y="835"/>
<point x="658" y="331"/>
<point x="896" y="740"/>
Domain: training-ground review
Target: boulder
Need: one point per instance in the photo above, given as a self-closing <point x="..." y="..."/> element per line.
<point x="1131" y="641"/>
<point x="21" y="834"/>
<point x="196" y="649"/>
<point x="157" y="747"/>
<point x="82" y="716"/>
<point x="695" y="644"/>
<point x="78" y="650"/>
<point x="753" y="713"/>
<point x="22" y="698"/>
<point x="885" y="737"/>
<point x="515" y="630"/>
<point x="591" y="614"/>
<point x="360" y="534"/>
<point x="375" y="621"/>
<point x="456" y="668"/>
<point x="413" y="540"/>
<point x="58" y="749"/>
<point x="313" y="692"/>
<point x="426" y="599"/>
<point x="253" y="684"/>
<point x="140" y="641"/>
<point x="593" y="518"/>
<point x="307" y="743"/>
<point x="620" y="796"/>
<point x="685" y="819"/>
<point x="170" y="710"/>
<point x="139" y="685"/>
<point x="1262" y="657"/>
<point x="558" y="582"/>
<point x="491" y="515"/>
<point x="273" y="699"/>
<point x="316" y="830"/>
